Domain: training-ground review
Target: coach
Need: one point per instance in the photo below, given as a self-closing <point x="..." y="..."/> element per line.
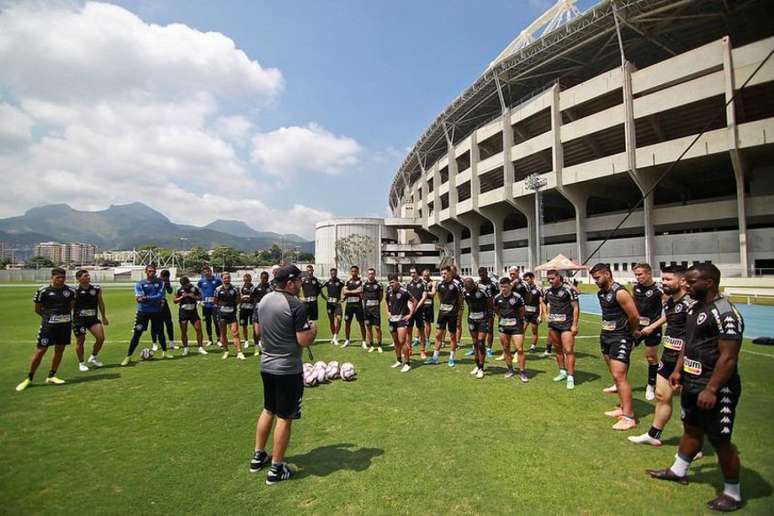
<point x="285" y="330"/>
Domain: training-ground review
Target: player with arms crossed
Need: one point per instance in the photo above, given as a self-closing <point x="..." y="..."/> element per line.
<point x="449" y="295"/>
<point x="647" y="299"/>
<point x="166" y="314"/>
<point x="534" y="307"/>
<point x="711" y="385"/>
<point x="150" y="294"/>
<point x="373" y="293"/>
<point x="418" y="290"/>
<point x="246" y="308"/>
<point x="54" y="305"/>
<point x="509" y="307"/>
<point x="353" y="293"/>
<point x="563" y="314"/>
<point x="88" y="300"/>
<point x="491" y="289"/>
<point x="207" y="285"/>
<point x="333" y="287"/>
<point x="479" y="307"/>
<point x="259" y="292"/>
<point x="428" y="308"/>
<point x="310" y="289"/>
<point x="187" y="297"/>
<point x="619" y="318"/>
<point x="226" y="301"/>
<point x="401" y="306"/>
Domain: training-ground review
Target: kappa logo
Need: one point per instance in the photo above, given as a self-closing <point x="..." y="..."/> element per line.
<point x="725" y="399"/>
<point x="700" y="320"/>
<point x="726" y="420"/>
<point x="138" y="326"/>
<point x="725" y="430"/>
<point x="726" y="410"/>
<point x="725" y="390"/>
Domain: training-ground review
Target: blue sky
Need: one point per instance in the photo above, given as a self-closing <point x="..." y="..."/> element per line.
<point x="370" y="76"/>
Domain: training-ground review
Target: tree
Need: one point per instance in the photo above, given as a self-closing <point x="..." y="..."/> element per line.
<point x="195" y="259"/>
<point x="38" y="262"/>
<point x="4" y="261"/>
<point x="306" y="257"/>
<point x="354" y="250"/>
<point x="226" y="258"/>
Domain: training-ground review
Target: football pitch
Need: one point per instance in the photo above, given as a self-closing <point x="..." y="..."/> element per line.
<point x="176" y="436"/>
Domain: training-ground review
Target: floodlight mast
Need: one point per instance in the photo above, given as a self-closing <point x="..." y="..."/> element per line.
<point x="536" y="182"/>
<point x="560" y="13"/>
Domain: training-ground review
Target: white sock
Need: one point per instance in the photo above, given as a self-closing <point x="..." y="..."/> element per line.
<point x="680" y="467"/>
<point x="563" y="371"/>
<point x="733" y="490"/>
<point x="451" y="355"/>
<point x="82" y="363"/>
<point x="92" y="357"/>
<point x="435" y="355"/>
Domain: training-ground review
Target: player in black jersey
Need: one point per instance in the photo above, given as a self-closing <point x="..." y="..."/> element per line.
<point x="675" y="312"/>
<point x="261" y="289"/>
<point x="373" y="293"/>
<point x="534" y="307"/>
<point x="619" y="319"/>
<point x="187" y="297"/>
<point x="166" y="314"/>
<point x="458" y="280"/>
<point x="449" y="295"/>
<point x="401" y="306"/>
<point x="226" y="301"/>
<point x="479" y="302"/>
<point x="246" y="307"/>
<point x="88" y="303"/>
<point x="563" y="314"/>
<point x="418" y="290"/>
<point x="509" y="307"/>
<point x="710" y="382"/>
<point x="310" y="289"/>
<point x="647" y="299"/>
<point x="54" y="305"/>
<point x="488" y="286"/>
<point x="353" y="295"/>
<point x="333" y="287"/>
<point x="428" y="308"/>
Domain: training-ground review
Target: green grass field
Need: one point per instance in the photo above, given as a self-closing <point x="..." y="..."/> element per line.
<point x="175" y="436"/>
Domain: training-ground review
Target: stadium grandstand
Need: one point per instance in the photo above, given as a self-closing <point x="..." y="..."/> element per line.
<point x="575" y="120"/>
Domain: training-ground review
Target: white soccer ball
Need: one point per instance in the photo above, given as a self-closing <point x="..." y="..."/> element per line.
<point x="308" y="368"/>
<point x="332" y="371"/>
<point x="320" y="372"/>
<point x="320" y="363"/>
<point x="310" y="379"/>
<point x="146" y="354"/>
<point x="348" y="372"/>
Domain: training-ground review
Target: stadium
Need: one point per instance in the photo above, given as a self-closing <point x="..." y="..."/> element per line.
<point x="589" y="114"/>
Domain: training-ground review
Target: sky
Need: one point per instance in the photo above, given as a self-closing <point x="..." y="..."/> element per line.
<point x="277" y="113"/>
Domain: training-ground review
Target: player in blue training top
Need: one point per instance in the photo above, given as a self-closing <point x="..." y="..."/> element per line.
<point x="207" y="286"/>
<point x="150" y="294"/>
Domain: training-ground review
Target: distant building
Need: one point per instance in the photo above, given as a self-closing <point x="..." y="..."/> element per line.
<point x="2" y="249"/>
<point x="116" y="256"/>
<point x="69" y="253"/>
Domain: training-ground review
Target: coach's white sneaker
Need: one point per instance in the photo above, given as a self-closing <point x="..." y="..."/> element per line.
<point x="650" y="393"/>
<point x="241" y="356"/>
<point x="82" y="367"/>
<point x="92" y="361"/>
<point x="155" y="347"/>
<point x="406" y="368"/>
<point x="185" y="351"/>
<point x="396" y="364"/>
<point x="202" y="351"/>
<point x="480" y="374"/>
<point x="474" y="371"/>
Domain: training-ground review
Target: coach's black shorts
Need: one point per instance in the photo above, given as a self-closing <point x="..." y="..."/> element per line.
<point x="245" y="316"/>
<point x="282" y="394"/>
<point x="81" y="325"/>
<point x="209" y="312"/>
<point x="478" y="326"/>
<point x="428" y="314"/>
<point x="54" y="334"/>
<point x="665" y="369"/>
<point x="617" y="347"/>
<point x="417" y="319"/>
<point x="353" y="310"/>
<point x="373" y="316"/>
<point x="448" y="321"/>
<point x="333" y="309"/>
<point x="654" y="339"/>
<point x="141" y="320"/>
<point x="718" y="422"/>
<point x="311" y="310"/>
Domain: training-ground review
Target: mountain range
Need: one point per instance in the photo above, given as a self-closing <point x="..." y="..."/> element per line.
<point x="132" y="225"/>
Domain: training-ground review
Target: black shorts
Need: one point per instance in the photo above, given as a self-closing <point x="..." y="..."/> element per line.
<point x="417" y="319"/>
<point x="616" y="347"/>
<point x="373" y="316"/>
<point x="561" y="327"/>
<point x="81" y="326"/>
<point x="245" y="316"/>
<point x="718" y="422"/>
<point x="353" y="310"/>
<point x="478" y="326"/>
<point x="532" y="318"/>
<point x="511" y="330"/>
<point x="188" y="315"/>
<point x="665" y="369"/>
<point x="282" y="394"/>
<point x="448" y="321"/>
<point x="428" y="314"/>
<point x="227" y="317"/>
<point x="141" y="319"/>
<point x="333" y="309"/>
<point x="54" y="335"/>
<point x="652" y="340"/>
<point x="311" y="310"/>
<point x="394" y="325"/>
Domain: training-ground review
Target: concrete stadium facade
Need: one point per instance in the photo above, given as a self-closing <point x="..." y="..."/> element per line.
<point x="598" y="109"/>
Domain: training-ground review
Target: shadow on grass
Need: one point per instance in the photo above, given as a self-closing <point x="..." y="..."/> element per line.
<point x="753" y="484"/>
<point x="325" y="460"/>
<point x="94" y="378"/>
<point x="582" y="377"/>
<point x="642" y="408"/>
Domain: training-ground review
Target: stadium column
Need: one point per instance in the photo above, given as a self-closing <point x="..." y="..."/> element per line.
<point x="577" y="195"/>
<point x="469" y="219"/>
<point x="737" y="160"/>
<point x="644" y="184"/>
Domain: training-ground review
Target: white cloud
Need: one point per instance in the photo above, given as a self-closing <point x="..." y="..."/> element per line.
<point x="15" y="126"/>
<point x="235" y="128"/>
<point x="290" y="150"/>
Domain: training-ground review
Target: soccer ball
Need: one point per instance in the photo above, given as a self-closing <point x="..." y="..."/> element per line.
<point x="146" y="354"/>
<point x="348" y="372"/>
<point x="319" y="370"/>
<point x="332" y="371"/>
<point x="308" y="368"/>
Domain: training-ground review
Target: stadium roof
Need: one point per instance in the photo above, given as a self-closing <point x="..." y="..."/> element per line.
<point x="584" y="47"/>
